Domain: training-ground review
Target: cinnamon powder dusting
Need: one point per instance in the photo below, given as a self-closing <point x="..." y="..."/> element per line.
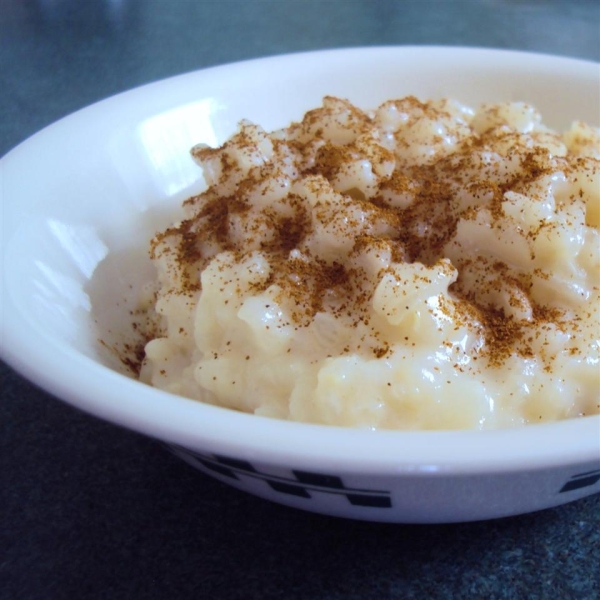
<point x="413" y="220"/>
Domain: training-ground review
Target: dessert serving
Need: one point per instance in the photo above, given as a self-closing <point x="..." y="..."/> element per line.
<point x="423" y="265"/>
<point x="410" y="269"/>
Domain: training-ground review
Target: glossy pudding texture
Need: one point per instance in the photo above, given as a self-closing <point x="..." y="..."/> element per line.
<point x="423" y="265"/>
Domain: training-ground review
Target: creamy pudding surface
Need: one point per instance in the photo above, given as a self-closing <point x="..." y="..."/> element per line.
<point x="423" y="265"/>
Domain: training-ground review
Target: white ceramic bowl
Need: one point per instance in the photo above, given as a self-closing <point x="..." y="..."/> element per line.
<point x="82" y="198"/>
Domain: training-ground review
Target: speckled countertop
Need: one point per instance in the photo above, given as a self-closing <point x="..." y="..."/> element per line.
<point x="88" y="510"/>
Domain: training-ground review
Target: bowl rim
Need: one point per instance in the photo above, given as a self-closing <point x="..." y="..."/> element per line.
<point x="96" y="389"/>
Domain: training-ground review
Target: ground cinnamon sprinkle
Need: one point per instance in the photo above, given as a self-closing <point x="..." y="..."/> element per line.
<point x="418" y="232"/>
<point x="414" y="220"/>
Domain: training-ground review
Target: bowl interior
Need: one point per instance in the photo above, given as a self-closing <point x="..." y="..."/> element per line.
<point x="82" y="198"/>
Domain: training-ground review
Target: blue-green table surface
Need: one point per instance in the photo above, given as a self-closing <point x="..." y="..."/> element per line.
<point x="88" y="510"/>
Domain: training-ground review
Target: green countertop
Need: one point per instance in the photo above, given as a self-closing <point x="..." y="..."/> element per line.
<point x="90" y="511"/>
